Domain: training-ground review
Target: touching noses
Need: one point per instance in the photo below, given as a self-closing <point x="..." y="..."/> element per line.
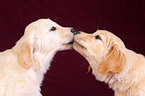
<point x="74" y="31"/>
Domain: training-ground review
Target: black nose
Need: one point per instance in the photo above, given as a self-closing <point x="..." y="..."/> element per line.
<point x="74" y="31"/>
<point x="78" y="32"/>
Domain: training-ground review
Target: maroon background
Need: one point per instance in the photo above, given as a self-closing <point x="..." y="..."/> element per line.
<point x="68" y="74"/>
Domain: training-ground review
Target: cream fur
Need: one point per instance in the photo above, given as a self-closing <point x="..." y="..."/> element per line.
<point x="22" y="68"/>
<point x="113" y="63"/>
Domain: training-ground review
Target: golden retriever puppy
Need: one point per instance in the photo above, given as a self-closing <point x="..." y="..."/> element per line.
<point x="22" y="68"/>
<point x="112" y="62"/>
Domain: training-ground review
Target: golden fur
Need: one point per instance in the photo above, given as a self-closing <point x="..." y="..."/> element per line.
<point x="22" y="68"/>
<point x="112" y="62"/>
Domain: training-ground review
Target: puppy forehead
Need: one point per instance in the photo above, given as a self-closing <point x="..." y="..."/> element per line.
<point x="46" y="22"/>
<point x="101" y="32"/>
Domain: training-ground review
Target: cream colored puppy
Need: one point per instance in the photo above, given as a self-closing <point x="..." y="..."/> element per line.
<point x="22" y="68"/>
<point x="112" y="62"/>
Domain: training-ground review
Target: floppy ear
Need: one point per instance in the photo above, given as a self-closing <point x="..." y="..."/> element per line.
<point x="114" y="62"/>
<point x="26" y="55"/>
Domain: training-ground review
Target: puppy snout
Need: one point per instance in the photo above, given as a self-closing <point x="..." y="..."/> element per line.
<point x="75" y="32"/>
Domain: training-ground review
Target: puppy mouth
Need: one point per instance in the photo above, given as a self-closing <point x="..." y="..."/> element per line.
<point x="67" y="46"/>
<point x="81" y="45"/>
<point x="71" y="42"/>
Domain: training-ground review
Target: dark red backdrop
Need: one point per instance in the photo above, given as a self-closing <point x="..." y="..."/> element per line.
<point x="68" y="74"/>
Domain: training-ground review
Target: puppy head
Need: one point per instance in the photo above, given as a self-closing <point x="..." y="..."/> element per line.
<point x="42" y="36"/>
<point x="102" y="49"/>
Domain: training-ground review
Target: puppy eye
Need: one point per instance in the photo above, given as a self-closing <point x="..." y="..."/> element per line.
<point x="98" y="37"/>
<point x="53" y="29"/>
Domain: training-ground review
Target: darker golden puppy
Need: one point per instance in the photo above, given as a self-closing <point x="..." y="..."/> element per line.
<point x="112" y="62"/>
